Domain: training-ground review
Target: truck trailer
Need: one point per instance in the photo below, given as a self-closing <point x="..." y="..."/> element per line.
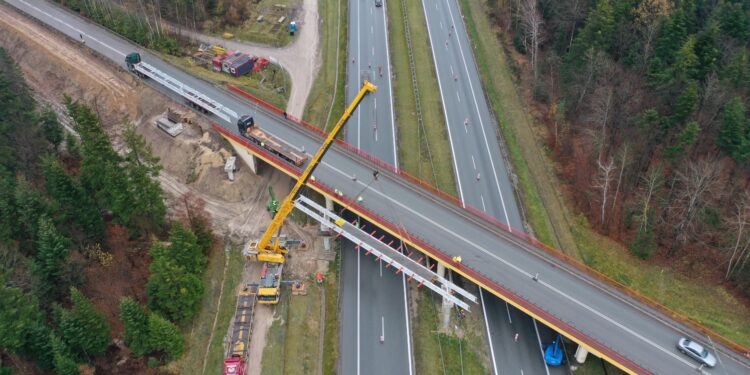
<point x="239" y="346"/>
<point x="248" y="129"/>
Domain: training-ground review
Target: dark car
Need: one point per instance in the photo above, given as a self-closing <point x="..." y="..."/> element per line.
<point x="378" y="3"/>
<point x="696" y="351"/>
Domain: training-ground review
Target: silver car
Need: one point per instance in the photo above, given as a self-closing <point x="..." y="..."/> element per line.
<point x="696" y="351"/>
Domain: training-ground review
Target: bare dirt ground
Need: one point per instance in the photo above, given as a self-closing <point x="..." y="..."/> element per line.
<point x="194" y="161"/>
<point x="301" y="58"/>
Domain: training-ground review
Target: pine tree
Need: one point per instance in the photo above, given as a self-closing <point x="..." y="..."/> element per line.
<point x="51" y="127"/>
<point x="136" y="321"/>
<point x="72" y="145"/>
<point x="30" y="206"/>
<point x="8" y="213"/>
<point x="686" y="104"/>
<point x="83" y="329"/>
<point x="52" y="250"/>
<point x="65" y="363"/>
<point x="19" y="312"/>
<point x="686" y="61"/>
<point x="37" y="345"/>
<point x="142" y="167"/>
<point x="685" y="139"/>
<point x="75" y="204"/>
<point x="185" y="251"/>
<point x="734" y="130"/>
<point x="172" y="291"/>
<point x="165" y="336"/>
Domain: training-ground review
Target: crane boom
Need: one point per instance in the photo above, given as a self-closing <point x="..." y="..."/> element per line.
<point x="272" y="252"/>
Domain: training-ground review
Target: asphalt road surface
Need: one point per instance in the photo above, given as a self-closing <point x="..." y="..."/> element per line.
<point x="373" y="300"/>
<point x="607" y="320"/>
<point x="483" y="181"/>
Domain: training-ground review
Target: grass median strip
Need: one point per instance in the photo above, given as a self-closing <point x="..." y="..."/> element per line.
<point x="438" y="351"/>
<point x="423" y="152"/>
<point x="329" y="84"/>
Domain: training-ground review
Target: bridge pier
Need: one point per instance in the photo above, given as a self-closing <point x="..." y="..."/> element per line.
<point x="250" y="160"/>
<point x="581" y="354"/>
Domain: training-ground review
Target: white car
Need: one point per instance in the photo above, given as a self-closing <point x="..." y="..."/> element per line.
<point x="696" y="351"/>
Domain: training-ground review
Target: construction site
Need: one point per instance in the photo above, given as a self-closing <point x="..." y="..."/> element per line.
<point x="329" y="259"/>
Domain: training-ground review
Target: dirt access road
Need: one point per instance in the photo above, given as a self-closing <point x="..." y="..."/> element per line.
<point x="301" y="58"/>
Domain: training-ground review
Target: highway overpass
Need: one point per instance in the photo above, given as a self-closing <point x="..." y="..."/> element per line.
<point x="623" y="330"/>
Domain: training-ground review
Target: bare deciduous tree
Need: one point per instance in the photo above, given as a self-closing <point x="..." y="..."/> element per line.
<point x="531" y="23"/>
<point x="595" y="59"/>
<point x="603" y="182"/>
<point x="622" y="156"/>
<point x="696" y="182"/>
<point x="652" y="182"/>
<point x="738" y="224"/>
<point x="648" y="14"/>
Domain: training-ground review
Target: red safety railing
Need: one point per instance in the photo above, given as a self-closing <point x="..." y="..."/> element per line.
<point x="505" y="227"/>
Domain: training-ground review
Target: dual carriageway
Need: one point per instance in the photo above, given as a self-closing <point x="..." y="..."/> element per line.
<point x="623" y="330"/>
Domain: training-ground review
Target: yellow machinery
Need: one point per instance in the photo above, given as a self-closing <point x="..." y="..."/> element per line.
<point x="268" y="248"/>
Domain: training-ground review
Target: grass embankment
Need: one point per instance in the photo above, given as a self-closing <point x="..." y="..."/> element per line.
<point x="423" y="151"/>
<point x="436" y="352"/>
<point x="329" y="84"/>
<point x="218" y="306"/>
<point x="331" y="334"/>
<point x="709" y="305"/>
<point x="274" y="89"/>
<point x="269" y="31"/>
<point x="293" y="341"/>
<point x="510" y="112"/>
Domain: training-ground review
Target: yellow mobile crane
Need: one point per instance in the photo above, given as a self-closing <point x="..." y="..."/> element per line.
<point x="268" y="249"/>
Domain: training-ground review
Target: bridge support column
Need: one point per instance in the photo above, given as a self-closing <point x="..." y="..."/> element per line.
<point x="581" y="354"/>
<point x="446" y="310"/>
<point x="327" y="240"/>
<point x="447" y="305"/>
<point x="250" y="160"/>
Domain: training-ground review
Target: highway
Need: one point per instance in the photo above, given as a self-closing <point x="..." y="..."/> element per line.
<point x="373" y="300"/>
<point x="585" y="309"/>
<point x="483" y="181"/>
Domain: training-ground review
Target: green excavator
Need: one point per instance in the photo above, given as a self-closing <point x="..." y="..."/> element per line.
<point x="273" y="203"/>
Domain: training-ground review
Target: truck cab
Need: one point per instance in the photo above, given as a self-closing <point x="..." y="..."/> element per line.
<point x="245" y="122"/>
<point x="234" y="366"/>
<point x="132" y="59"/>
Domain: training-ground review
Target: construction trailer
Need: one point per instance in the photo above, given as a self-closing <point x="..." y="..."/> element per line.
<point x="241" y="66"/>
<point x="230" y="60"/>
<point x="239" y="344"/>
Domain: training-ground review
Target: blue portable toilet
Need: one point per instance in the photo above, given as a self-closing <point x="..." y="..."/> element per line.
<point x="553" y="353"/>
